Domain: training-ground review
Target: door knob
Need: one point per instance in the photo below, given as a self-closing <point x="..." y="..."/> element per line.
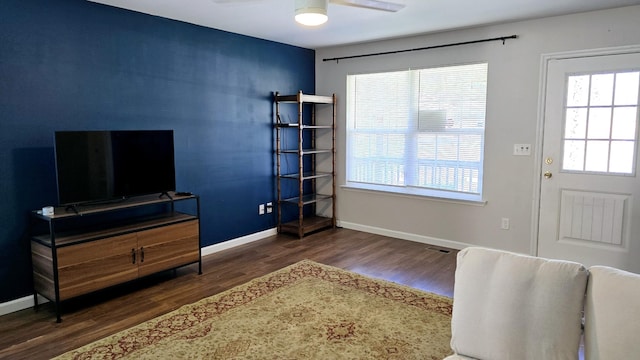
<point x="547" y="175"/>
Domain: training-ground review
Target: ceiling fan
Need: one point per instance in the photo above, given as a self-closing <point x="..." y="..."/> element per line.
<point x="370" y="4"/>
<point x="314" y="12"/>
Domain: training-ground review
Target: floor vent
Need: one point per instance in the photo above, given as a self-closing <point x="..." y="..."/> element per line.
<point x="444" y="251"/>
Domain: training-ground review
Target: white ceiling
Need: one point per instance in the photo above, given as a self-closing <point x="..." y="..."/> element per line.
<point x="273" y="19"/>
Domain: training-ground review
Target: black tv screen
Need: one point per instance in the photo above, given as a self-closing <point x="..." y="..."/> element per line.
<point x="106" y="165"/>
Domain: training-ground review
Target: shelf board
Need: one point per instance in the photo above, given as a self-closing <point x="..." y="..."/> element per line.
<point x="303" y="126"/>
<point x="306" y="176"/>
<point x="309" y="224"/>
<point x="307" y="199"/>
<point x="306" y="151"/>
<point x="62" y="212"/>
<point x="82" y="235"/>
<point x="305" y="98"/>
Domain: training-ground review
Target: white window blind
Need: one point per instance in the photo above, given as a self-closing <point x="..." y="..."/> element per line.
<point x="418" y="131"/>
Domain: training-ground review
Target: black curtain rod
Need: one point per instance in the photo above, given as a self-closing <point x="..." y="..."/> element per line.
<point x="502" y="38"/>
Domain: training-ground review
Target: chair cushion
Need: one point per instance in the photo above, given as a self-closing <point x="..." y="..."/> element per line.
<point x="511" y="306"/>
<point x="612" y="314"/>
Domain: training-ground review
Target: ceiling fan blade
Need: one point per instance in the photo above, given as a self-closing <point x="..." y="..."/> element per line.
<point x="370" y="4"/>
<point x="233" y="1"/>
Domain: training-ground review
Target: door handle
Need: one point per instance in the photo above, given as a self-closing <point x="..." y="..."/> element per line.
<point x="547" y="175"/>
<point x="142" y="254"/>
<point x="133" y="256"/>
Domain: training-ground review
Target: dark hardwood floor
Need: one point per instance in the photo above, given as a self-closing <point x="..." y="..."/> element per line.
<point x="30" y="334"/>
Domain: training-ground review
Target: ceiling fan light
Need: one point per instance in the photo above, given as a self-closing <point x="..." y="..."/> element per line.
<point x="311" y="12"/>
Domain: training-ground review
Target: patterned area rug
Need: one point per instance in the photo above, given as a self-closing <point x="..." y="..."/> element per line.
<point x="304" y="311"/>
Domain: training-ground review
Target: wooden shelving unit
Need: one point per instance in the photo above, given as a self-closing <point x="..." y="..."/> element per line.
<point x="305" y="175"/>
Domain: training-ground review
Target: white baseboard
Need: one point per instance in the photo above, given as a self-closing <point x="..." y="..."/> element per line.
<point x="20" y="304"/>
<point x="405" y="236"/>
<point x="27" y="301"/>
<point x="211" y="249"/>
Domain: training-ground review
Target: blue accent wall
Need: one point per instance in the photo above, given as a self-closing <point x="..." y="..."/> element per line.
<point x="77" y="65"/>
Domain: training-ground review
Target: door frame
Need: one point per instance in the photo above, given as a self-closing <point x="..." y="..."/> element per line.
<point x="545" y="59"/>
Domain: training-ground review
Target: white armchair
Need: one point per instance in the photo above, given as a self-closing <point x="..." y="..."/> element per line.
<point x="612" y="315"/>
<point x="511" y="306"/>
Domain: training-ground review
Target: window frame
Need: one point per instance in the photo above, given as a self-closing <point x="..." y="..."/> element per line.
<point x="409" y="189"/>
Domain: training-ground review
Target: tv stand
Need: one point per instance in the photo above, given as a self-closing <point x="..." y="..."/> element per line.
<point x="73" y="207"/>
<point x="77" y="206"/>
<point x="165" y="194"/>
<point x="102" y="245"/>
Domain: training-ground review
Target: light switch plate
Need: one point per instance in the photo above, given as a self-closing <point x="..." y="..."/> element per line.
<point x="522" y="149"/>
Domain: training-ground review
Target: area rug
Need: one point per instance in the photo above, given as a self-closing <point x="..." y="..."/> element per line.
<point x="304" y="311"/>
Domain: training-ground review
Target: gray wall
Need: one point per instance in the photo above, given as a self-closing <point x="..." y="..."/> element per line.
<point x="512" y="118"/>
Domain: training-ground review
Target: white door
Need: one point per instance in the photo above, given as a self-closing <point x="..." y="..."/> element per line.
<point x="590" y="187"/>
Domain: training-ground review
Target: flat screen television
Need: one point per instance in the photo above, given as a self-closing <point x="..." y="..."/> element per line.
<point x="95" y="166"/>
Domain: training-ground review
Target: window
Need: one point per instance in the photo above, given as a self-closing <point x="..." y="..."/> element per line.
<point x="601" y="113"/>
<point x="418" y="131"/>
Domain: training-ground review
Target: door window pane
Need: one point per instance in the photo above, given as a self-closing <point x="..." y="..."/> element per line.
<point x="621" y="157"/>
<point x="597" y="156"/>
<point x="601" y="121"/>
<point x="578" y="90"/>
<point x="576" y="123"/>
<point x="601" y="89"/>
<point x="573" y="155"/>
<point x="627" y="88"/>
<point x="624" y="123"/>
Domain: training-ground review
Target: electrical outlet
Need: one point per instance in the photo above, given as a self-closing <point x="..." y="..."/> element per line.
<point x="522" y="149"/>
<point x="504" y="225"/>
<point x="269" y="207"/>
<point x="261" y="209"/>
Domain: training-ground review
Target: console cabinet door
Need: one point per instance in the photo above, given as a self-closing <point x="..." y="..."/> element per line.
<point x="168" y="247"/>
<point x="94" y="265"/>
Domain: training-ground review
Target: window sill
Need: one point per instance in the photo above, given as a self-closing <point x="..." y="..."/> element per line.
<point x="448" y="197"/>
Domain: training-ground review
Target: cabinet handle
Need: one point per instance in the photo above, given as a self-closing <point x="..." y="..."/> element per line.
<point x="133" y="255"/>
<point x="141" y="254"/>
